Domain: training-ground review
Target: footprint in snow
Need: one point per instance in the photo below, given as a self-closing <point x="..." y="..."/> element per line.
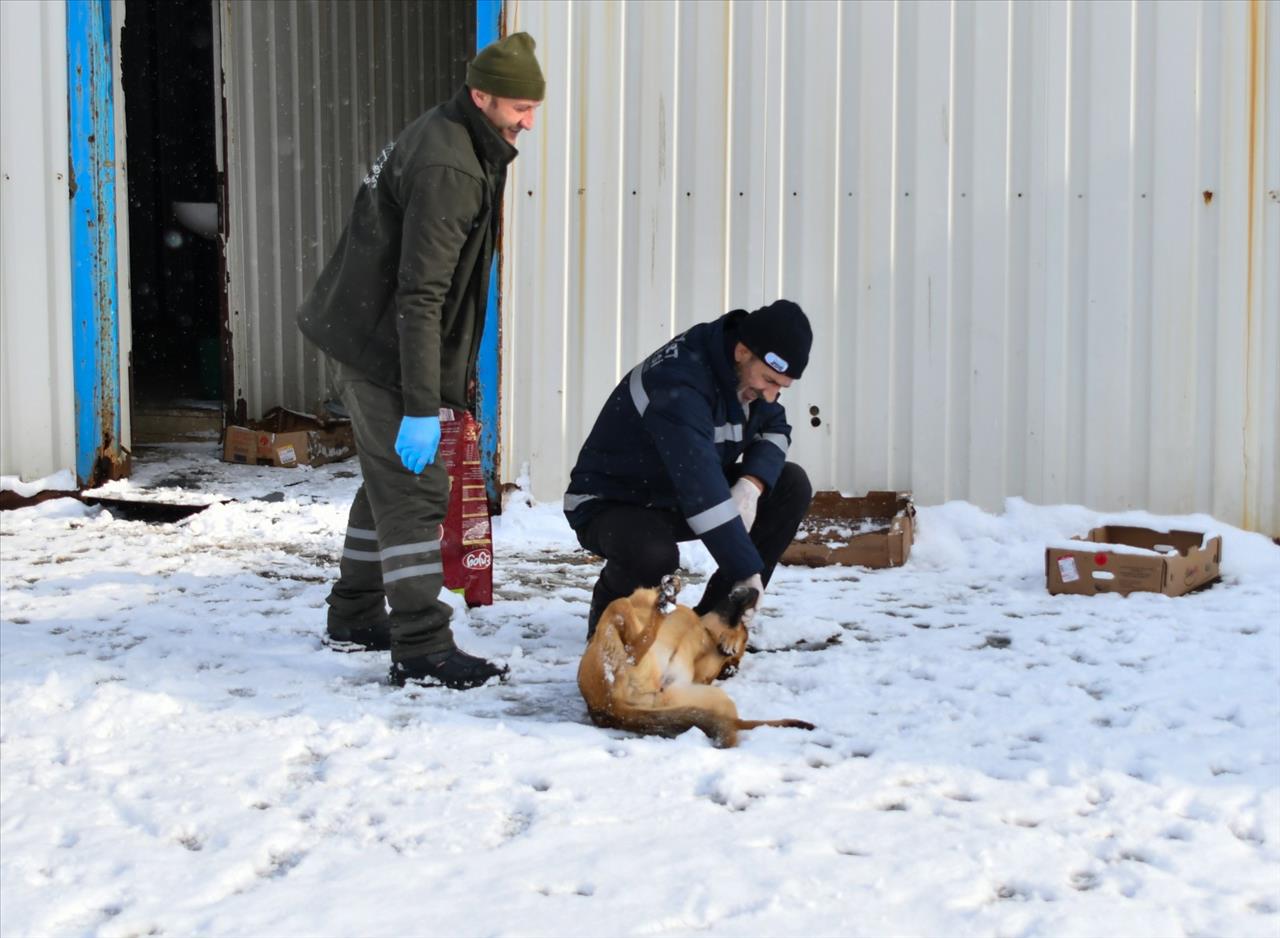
<point x="582" y="889"/>
<point x="1083" y="880"/>
<point x="280" y="863"/>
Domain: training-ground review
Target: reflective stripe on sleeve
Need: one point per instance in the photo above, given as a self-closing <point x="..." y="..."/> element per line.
<point x="573" y="501"/>
<point x="713" y="517"/>
<point x="729" y="433"/>
<point x="638" y="396"/>
<point x="777" y="439"/>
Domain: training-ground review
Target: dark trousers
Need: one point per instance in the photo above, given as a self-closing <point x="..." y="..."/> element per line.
<point x="392" y="549"/>
<point x="639" y="545"/>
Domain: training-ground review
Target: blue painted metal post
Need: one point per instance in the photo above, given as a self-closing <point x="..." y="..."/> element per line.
<point x="94" y="303"/>
<point x="489" y="367"/>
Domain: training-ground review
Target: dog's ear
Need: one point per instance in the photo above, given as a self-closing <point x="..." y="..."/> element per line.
<point x="737" y="604"/>
<point x="618" y="623"/>
<point x="626" y="616"/>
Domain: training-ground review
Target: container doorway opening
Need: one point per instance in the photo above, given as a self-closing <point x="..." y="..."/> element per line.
<point x="167" y="72"/>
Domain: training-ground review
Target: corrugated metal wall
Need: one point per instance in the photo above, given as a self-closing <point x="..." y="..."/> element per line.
<point x="1038" y="240"/>
<point x="314" y="89"/>
<point x="37" y="395"/>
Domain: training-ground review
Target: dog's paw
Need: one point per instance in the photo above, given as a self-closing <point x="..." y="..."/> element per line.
<point x="733" y="643"/>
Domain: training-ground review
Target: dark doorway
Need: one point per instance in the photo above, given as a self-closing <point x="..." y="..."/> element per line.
<point x="167" y="69"/>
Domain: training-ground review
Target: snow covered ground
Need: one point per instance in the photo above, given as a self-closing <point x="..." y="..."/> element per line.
<point x="182" y="756"/>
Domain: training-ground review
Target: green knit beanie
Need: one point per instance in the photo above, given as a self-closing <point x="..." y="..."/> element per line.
<point x="507" y="68"/>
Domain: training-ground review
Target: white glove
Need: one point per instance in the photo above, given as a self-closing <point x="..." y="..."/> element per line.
<point x="745" y="497"/>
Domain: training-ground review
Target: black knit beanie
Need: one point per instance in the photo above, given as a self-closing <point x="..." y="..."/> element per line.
<point x="780" y="335"/>
<point x="507" y="68"/>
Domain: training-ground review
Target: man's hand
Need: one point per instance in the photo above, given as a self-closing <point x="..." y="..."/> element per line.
<point x="417" y="441"/>
<point x="746" y="493"/>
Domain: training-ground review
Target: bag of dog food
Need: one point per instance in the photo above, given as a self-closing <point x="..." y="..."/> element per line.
<point x="466" y="542"/>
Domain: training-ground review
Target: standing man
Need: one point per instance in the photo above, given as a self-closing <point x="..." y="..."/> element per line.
<point x="693" y="443"/>
<point x="399" y="310"/>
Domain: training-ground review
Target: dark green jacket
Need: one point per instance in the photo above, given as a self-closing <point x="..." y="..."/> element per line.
<point x="403" y="298"/>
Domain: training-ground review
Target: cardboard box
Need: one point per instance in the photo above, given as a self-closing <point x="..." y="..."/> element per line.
<point x="288" y="438"/>
<point x="240" y="444"/>
<point x="1123" y="560"/>
<point x="873" y="531"/>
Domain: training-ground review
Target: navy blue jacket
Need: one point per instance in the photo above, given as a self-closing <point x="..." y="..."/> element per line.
<point x="668" y="438"/>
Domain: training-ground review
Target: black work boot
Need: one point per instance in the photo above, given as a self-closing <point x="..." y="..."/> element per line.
<point x="374" y="635"/>
<point x="593" y="619"/>
<point x="455" y="669"/>
<point x="600" y="599"/>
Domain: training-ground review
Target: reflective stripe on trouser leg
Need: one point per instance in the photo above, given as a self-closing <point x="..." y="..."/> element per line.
<point x="408" y="561"/>
<point x="412" y="572"/>
<point x="409" y="510"/>
<point x="357" y="598"/>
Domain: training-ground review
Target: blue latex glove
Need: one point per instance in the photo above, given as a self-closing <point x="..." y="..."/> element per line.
<point x="417" y="441"/>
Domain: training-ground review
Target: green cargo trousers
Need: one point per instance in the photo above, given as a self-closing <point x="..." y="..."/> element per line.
<point x="392" y="546"/>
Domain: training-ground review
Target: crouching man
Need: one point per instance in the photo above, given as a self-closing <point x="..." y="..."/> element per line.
<point x="693" y="444"/>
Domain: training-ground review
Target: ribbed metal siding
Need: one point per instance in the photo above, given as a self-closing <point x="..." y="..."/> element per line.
<point x="314" y="89"/>
<point x="37" y="396"/>
<point x="1038" y="241"/>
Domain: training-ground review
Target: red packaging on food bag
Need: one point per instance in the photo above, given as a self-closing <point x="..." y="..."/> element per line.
<point x="466" y="542"/>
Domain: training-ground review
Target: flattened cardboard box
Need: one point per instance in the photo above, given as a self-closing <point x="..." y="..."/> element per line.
<point x="1120" y="559"/>
<point x="287" y="439"/>
<point x="873" y="531"/>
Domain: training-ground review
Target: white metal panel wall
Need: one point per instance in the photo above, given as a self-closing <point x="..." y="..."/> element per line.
<point x="314" y="89"/>
<point x="37" y="391"/>
<point x="1038" y="240"/>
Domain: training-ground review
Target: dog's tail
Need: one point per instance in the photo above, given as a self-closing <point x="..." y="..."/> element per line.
<point x="792" y="724"/>
<point x="727" y="732"/>
<point x="672" y="721"/>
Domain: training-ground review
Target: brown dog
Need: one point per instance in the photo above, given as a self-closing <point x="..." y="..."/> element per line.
<point x="647" y="667"/>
